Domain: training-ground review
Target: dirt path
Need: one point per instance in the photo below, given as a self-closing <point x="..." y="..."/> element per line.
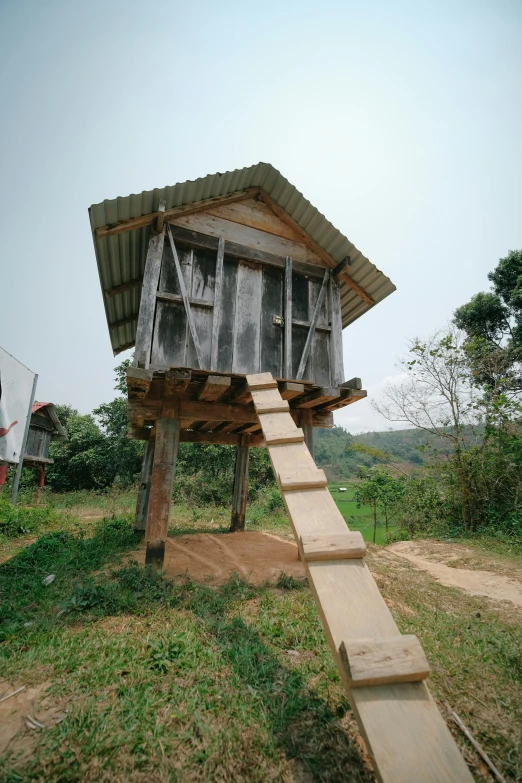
<point x="205" y="557"/>
<point x="476" y="582"/>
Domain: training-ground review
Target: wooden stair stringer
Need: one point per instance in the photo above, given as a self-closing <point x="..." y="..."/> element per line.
<point x="406" y="735"/>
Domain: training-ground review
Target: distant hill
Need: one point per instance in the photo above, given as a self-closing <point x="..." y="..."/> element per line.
<point x="337" y="451"/>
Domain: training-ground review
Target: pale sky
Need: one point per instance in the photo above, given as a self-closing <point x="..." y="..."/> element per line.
<point x="400" y="121"/>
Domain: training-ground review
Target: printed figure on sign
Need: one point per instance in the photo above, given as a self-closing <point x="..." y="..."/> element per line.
<point x="16" y="394"/>
<point x="4" y="430"/>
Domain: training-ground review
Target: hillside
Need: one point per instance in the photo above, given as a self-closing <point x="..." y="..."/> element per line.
<point x="339" y="453"/>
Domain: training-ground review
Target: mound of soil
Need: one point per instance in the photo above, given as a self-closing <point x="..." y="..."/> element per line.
<point x="257" y="557"/>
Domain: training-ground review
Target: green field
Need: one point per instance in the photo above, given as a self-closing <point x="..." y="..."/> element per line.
<point x="357" y="518"/>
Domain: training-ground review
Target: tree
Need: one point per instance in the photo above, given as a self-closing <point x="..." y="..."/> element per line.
<point x="379" y="489"/>
<point x="492" y="323"/>
<point x="437" y="396"/>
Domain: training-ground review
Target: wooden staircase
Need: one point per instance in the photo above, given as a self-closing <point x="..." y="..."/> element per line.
<point x="383" y="672"/>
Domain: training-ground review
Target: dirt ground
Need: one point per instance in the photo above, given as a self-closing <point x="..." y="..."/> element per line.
<point x="257" y="557"/>
<point x="442" y="561"/>
<point x="32" y="708"/>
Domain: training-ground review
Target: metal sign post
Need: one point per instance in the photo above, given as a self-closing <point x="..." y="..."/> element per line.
<point x="16" y="482"/>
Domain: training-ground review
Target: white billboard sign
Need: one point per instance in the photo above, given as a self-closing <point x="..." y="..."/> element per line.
<point x="16" y="397"/>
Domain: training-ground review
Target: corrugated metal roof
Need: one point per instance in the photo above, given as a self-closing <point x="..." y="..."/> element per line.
<point x="121" y="257"/>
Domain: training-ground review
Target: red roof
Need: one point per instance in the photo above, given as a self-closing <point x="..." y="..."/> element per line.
<point x="38" y="405"/>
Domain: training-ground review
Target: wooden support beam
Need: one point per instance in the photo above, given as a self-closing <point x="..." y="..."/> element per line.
<point x="160" y="219"/>
<point x="207" y="242"/>
<point x="123" y="321"/>
<point x="193" y="410"/>
<point x="287" y="341"/>
<point x="120" y="289"/>
<point x="171" y="214"/>
<point x="162" y="480"/>
<point x="336" y="334"/>
<point x="223" y="438"/>
<point x="240" y="395"/>
<point x="333" y="546"/>
<point x="214" y="388"/>
<point x="240" y="493"/>
<point x="311" y="331"/>
<point x="164" y="296"/>
<point x="319" y="397"/>
<point x="216" y="319"/>
<point x="289" y="390"/>
<point x="348" y="397"/>
<point x="176" y="382"/>
<point x="181" y="281"/>
<point x="142" y="502"/>
<point x="341" y="267"/>
<point x="306" y="422"/>
<point x="148" y="300"/>
<point x="353" y="383"/>
<point x="383" y="661"/>
<point x="138" y="382"/>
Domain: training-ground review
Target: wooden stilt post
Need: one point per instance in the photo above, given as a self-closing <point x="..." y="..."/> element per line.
<point x="162" y="481"/>
<point x="3" y="476"/>
<point x="41" y="484"/>
<point x="308" y="431"/>
<point x="142" y="503"/>
<point x="240" y="495"/>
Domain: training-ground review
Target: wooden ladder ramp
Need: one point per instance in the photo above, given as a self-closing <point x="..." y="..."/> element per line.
<point x="383" y="672"/>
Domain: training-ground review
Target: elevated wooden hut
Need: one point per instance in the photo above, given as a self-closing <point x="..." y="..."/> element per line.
<point x="211" y="280"/>
<point x="44" y="427"/>
<point x="234" y="291"/>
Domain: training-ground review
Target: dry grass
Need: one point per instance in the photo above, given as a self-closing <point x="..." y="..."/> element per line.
<point x="185" y="682"/>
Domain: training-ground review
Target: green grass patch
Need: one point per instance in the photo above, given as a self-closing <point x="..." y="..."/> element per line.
<point x="357" y="518"/>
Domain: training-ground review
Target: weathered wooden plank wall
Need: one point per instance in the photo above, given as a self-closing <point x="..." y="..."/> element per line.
<point x="244" y="331"/>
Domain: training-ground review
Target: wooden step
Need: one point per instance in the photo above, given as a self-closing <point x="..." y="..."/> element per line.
<point x="333" y="546"/>
<point x="262" y="380"/>
<point x="405" y="733"/>
<point x="383" y="661"/>
<point x="295" y="435"/>
<point x="302" y="479"/>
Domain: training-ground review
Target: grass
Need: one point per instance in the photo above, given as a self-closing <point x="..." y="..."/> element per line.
<point x="159" y="681"/>
<point x="357" y="518"/>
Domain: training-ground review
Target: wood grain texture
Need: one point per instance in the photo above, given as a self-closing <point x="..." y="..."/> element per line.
<point x="403" y="729"/>
<point x="314" y="246"/>
<point x="148" y="300"/>
<point x="188" y="311"/>
<point x="311" y="331"/>
<point x="255" y="214"/>
<point x="261" y="381"/>
<point x="294" y="435"/>
<point x="310" y="478"/>
<point x="288" y="315"/>
<point x="218" y="303"/>
<point x="184" y="209"/>
<point x="383" y="661"/>
<point x="142" y="502"/>
<point x="214" y="387"/>
<point x="247" y="236"/>
<point x="333" y="546"/>
<point x="336" y="335"/>
<point x="164" y="466"/>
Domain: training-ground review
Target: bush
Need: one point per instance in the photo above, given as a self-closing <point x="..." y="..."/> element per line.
<point x="21" y="520"/>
